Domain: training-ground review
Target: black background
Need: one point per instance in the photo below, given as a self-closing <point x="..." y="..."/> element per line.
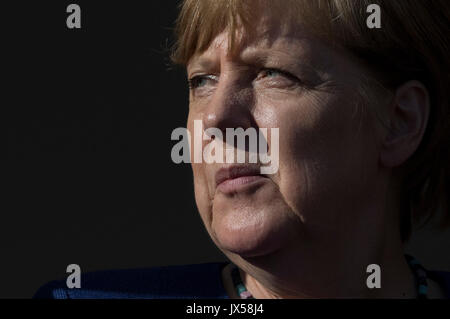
<point x="87" y="176"/>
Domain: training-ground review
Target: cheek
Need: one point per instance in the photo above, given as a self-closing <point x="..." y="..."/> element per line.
<point x="321" y="155"/>
<point x="202" y="197"/>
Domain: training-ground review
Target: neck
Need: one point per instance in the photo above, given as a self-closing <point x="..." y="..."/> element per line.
<point x="312" y="280"/>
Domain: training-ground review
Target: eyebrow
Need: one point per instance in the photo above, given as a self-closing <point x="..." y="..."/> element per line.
<point x="261" y="57"/>
<point x="204" y="63"/>
<point x="258" y="57"/>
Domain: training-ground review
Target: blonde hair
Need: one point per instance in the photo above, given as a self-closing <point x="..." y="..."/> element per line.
<point x="412" y="44"/>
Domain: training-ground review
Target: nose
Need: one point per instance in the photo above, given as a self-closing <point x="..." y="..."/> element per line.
<point x="230" y="106"/>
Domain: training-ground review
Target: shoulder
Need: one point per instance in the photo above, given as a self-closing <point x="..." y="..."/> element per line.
<point x="442" y="279"/>
<point x="186" y="281"/>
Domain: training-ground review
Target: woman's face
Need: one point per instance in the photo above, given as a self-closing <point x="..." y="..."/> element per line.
<point x="328" y="153"/>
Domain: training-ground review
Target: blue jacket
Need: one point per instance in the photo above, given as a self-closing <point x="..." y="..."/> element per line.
<point x="202" y="281"/>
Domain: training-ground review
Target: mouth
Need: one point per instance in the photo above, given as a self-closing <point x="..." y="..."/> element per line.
<point x="237" y="178"/>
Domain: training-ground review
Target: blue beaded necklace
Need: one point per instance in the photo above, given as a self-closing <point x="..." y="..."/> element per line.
<point x="419" y="272"/>
<point x="421" y="277"/>
<point x="239" y="286"/>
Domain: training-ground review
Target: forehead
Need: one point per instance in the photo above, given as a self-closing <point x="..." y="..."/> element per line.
<point x="267" y="40"/>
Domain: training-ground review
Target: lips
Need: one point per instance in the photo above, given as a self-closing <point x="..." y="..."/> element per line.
<point x="233" y="178"/>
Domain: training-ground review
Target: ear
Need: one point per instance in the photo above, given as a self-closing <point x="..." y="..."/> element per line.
<point x="407" y="120"/>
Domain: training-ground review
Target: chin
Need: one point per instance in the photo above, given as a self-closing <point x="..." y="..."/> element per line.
<point x="252" y="224"/>
<point x="251" y="239"/>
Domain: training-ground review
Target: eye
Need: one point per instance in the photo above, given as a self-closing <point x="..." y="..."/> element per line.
<point x="276" y="78"/>
<point x="199" y="81"/>
<point x="273" y="73"/>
